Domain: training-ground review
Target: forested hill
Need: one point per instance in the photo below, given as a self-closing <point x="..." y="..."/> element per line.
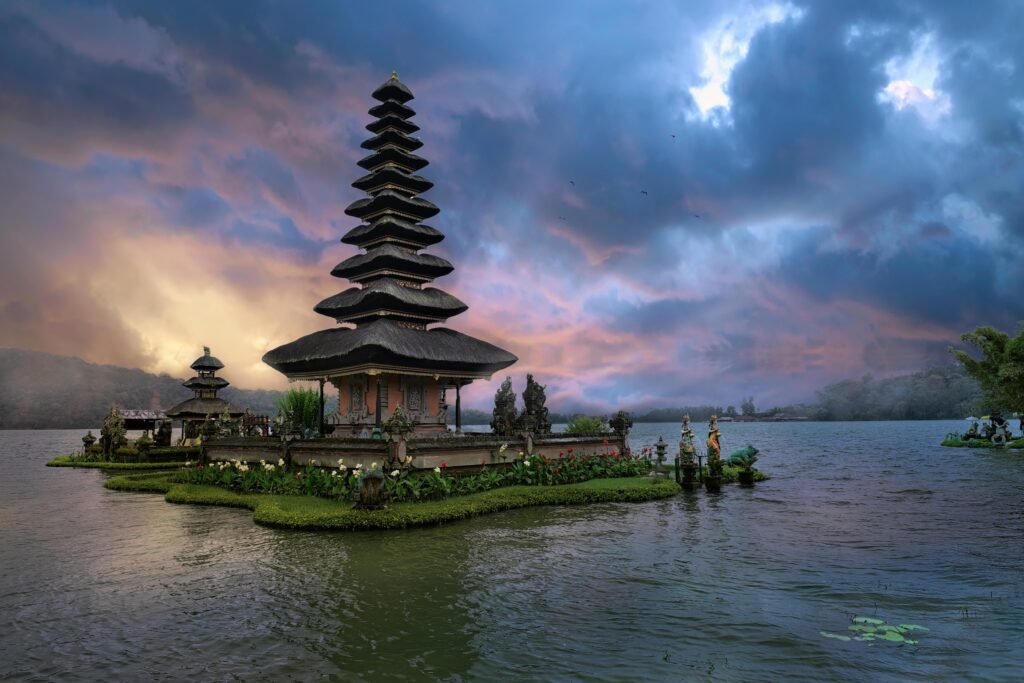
<point x="40" y="390"/>
<point x="939" y="393"/>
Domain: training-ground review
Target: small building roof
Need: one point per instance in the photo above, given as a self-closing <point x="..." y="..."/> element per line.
<point x="387" y="297"/>
<point x="201" y="407"/>
<point x="388" y="259"/>
<point x="394" y="227"/>
<point x="392" y="89"/>
<point x="206" y="361"/>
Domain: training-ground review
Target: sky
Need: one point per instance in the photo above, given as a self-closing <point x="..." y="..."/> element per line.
<point x="649" y="203"/>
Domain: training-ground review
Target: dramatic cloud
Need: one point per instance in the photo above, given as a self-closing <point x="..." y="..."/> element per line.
<point x="649" y="203"/>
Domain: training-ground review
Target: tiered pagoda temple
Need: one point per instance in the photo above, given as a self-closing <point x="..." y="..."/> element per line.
<point x="204" y="401"/>
<point x="384" y="355"/>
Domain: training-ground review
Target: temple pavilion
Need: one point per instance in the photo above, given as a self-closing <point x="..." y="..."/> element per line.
<point x="385" y="353"/>
<point x="204" y="401"/>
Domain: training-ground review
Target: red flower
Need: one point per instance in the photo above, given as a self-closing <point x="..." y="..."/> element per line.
<point x="483" y="462"/>
<point x="606" y="442"/>
<point x="561" y="453"/>
<point x="444" y="464"/>
<point x="570" y="450"/>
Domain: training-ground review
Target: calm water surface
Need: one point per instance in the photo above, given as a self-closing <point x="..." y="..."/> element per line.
<point x="858" y="519"/>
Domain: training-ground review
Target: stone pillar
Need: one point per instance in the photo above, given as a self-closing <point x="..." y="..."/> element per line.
<point x="458" y="408"/>
<point x="322" y="407"/>
<point x="378" y="418"/>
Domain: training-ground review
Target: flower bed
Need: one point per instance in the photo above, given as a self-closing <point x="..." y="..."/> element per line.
<point x="402" y="484"/>
<point x="309" y="512"/>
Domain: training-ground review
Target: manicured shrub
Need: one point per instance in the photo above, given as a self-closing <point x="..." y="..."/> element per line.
<point x="307" y="512"/>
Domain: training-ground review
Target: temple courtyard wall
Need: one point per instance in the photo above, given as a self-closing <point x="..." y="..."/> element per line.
<point x="466" y="452"/>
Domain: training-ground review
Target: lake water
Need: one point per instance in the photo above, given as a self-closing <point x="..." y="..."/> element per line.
<point x="869" y="519"/>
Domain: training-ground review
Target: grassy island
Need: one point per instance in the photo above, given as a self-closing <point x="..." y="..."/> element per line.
<point x="309" y="512"/>
<point x="74" y="461"/>
<point x="980" y="443"/>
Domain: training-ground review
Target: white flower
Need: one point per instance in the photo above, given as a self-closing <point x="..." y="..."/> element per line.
<point x="312" y="461"/>
<point x="342" y="469"/>
<point x="359" y="465"/>
<point x="263" y="462"/>
<point x="334" y="473"/>
<point x="437" y="470"/>
<point x="522" y="455"/>
<point x="503" y="448"/>
<point x="373" y="465"/>
<point x="340" y="461"/>
<point x="408" y="459"/>
<point x="394" y="473"/>
<point x="280" y="462"/>
<point x="188" y="463"/>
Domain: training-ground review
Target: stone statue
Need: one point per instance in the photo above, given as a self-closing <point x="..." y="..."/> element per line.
<point x="972" y="433"/>
<point x="227" y="425"/>
<point x="535" y="414"/>
<point x="687" y="447"/>
<point x="88" y="440"/>
<point x="714" y="443"/>
<point x="621" y="423"/>
<point x="503" y="421"/>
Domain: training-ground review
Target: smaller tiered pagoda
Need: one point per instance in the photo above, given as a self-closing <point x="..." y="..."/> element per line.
<point x="204" y="401"/>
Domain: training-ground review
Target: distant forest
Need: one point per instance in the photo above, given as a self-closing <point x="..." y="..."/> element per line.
<point x="40" y="390"/>
<point x="43" y="391"/>
<point x="934" y="394"/>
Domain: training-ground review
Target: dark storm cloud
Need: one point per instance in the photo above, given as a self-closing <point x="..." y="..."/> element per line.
<point x="51" y="98"/>
<point x="812" y="204"/>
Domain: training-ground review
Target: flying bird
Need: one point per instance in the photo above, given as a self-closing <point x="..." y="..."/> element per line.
<point x="562" y="218"/>
<point x="696" y="215"/>
<point x="573" y="183"/>
<point x="673" y="137"/>
<point x="643" y="191"/>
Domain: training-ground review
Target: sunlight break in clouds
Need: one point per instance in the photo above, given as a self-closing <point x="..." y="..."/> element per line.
<point x="912" y="82"/>
<point x="725" y="46"/>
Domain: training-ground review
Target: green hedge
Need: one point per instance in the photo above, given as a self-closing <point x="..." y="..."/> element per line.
<point x="72" y="461"/>
<point x="307" y="512"/>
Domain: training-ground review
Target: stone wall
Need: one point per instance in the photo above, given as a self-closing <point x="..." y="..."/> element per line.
<point x="466" y="452"/>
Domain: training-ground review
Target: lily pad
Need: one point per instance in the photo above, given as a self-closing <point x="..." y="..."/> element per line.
<point x="834" y="635"/>
<point x="894" y="636"/>
<point x="867" y="620"/>
<point x="863" y="627"/>
<point x="912" y="627"/>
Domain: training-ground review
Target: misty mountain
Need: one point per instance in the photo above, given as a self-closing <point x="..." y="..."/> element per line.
<point x="40" y="390"/>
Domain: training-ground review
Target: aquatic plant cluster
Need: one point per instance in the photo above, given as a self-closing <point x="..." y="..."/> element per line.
<point x="404" y="484"/>
<point x="870" y="629"/>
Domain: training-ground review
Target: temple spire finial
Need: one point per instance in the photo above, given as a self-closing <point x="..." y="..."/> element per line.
<point x="206" y="350"/>
<point x="394" y="75"/>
